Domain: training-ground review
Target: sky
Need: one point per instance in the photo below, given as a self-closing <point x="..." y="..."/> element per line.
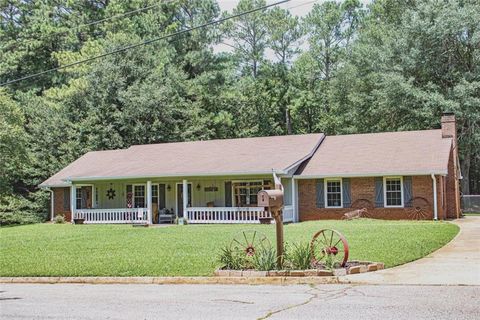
<point x="296" y="7"/>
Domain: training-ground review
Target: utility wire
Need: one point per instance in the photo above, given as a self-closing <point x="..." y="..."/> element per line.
<point x="145" y="42"/>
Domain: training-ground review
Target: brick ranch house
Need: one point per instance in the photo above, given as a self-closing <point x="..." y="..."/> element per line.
<point x="391" y="175"/>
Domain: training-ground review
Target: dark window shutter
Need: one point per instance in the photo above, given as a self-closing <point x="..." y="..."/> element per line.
<point x="66" y="199"/>
<point x="161" y="196"/>
<point x="379" y="192"/>
<point x="347" y="198"/>
<point x="320" y="193"/>
<point x="228" y="193"/>
<point x="407" y="191"/>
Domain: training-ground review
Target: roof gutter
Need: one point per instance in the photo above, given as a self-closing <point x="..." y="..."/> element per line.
<point x="180" y="175"/>
<point x="435" y="205"/>
<point x="52" y="203"/>
<point x="370" y="174"/>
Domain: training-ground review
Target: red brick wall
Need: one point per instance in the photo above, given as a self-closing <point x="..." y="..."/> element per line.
<point x="452" y="188"/>
<point x="363" y="188"/>
<point x="58" y="205"/>
<point x="449" y="130"/>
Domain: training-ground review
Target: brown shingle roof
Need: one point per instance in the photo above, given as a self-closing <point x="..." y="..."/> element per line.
<point x="388" y="153"/>
<point x="198" y="158"/>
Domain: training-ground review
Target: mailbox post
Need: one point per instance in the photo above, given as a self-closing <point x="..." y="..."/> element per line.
<point x="272" y="201"/>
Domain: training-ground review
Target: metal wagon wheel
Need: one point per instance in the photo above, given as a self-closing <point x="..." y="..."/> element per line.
<point x="329" y="247"/>
<point x="366" y="204"/>
<point x="249" y="241"/>
<point x="420" y="209"/>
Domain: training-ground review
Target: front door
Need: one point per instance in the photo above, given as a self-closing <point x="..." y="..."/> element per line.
<point x="84" y="197"/>
<point x="180" y="198"/>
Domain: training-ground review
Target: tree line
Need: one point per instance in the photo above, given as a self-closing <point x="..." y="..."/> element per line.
<point x="343" y="68"/>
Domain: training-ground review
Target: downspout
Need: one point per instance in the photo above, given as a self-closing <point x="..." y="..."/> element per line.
<point x="435" y="205"/>
<point x="52" y="203"/>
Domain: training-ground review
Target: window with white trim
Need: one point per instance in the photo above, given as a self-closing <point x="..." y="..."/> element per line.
<point x="155" y="193"/>
<point x="245" y="192"/>
<point x="78" y="197"/>
<point x="333" y="193"/>
<point x="139" y="196"/>
<point x="393" y="187"/>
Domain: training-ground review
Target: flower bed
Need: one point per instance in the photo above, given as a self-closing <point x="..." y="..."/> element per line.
<point x="352" y="267"/>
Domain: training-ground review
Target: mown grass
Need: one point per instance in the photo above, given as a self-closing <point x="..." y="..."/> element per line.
<point x="114" y="250"/>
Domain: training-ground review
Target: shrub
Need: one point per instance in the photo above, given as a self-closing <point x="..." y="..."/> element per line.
<point x="17" y="210"/>
<point x="231" y="259"/>
<point x="298" y="256"/>
<point x="59" y="219"/>
<point x="265" y="259"/>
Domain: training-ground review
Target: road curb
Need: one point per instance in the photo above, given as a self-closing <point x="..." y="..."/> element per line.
<point x="173" y="280"/>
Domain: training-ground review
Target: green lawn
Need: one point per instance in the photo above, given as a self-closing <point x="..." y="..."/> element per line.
<point x="109" y="250"/>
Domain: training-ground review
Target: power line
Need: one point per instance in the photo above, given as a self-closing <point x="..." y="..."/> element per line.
<point x="145" y="42"/>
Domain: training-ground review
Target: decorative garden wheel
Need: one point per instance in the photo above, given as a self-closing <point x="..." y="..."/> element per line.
<point x="249" y="241"/>
<point x="420" y="209"/>
<point x="329" y="247"/>
<point x="365" y="205"/>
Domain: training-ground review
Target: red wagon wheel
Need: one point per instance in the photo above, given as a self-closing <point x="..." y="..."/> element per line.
<point x="329" y="247"/>
<point x="249" y="241"/>
<point x="420" y="209"/>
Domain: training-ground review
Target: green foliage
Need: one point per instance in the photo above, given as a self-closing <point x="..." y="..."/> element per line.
<point x="265" y="259"/>
<point x="13" y="148"/>
<point x="231" y="259"/>
<point x="17" y="210"/>
<point x="59" y="219"/>
<point x="298" y="256"/>
<point x="390" y="65"/>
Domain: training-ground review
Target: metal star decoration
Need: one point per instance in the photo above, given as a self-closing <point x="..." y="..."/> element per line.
<point x="110" y="193"/>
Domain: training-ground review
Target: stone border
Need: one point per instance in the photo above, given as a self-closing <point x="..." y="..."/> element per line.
<point x="172" y="280"/>
<point x="360" y="267"/>
<point x="248" y="277"/>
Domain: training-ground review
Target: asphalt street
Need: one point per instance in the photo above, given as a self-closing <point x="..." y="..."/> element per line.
<point x="75" y="301"/>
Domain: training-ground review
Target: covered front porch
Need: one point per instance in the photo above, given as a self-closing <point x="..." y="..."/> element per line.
<point x="165" y="200"/>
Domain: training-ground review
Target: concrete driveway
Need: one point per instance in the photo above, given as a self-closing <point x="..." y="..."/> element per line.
<point x="457" y="263"/>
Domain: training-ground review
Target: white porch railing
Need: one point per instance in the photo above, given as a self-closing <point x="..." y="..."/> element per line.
<point x="226" y="214"/>
<point x="122" y="215"/>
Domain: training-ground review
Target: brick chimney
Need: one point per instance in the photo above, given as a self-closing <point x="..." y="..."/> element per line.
<point x="449" y="130"/>
<point x="449" y="127"/>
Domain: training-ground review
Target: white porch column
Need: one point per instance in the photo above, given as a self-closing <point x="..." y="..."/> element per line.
<point x="185" y="197"/>
<point x="73" y="201"/>
<point x="149" y="202"/>
<point x="294" y="200"/>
